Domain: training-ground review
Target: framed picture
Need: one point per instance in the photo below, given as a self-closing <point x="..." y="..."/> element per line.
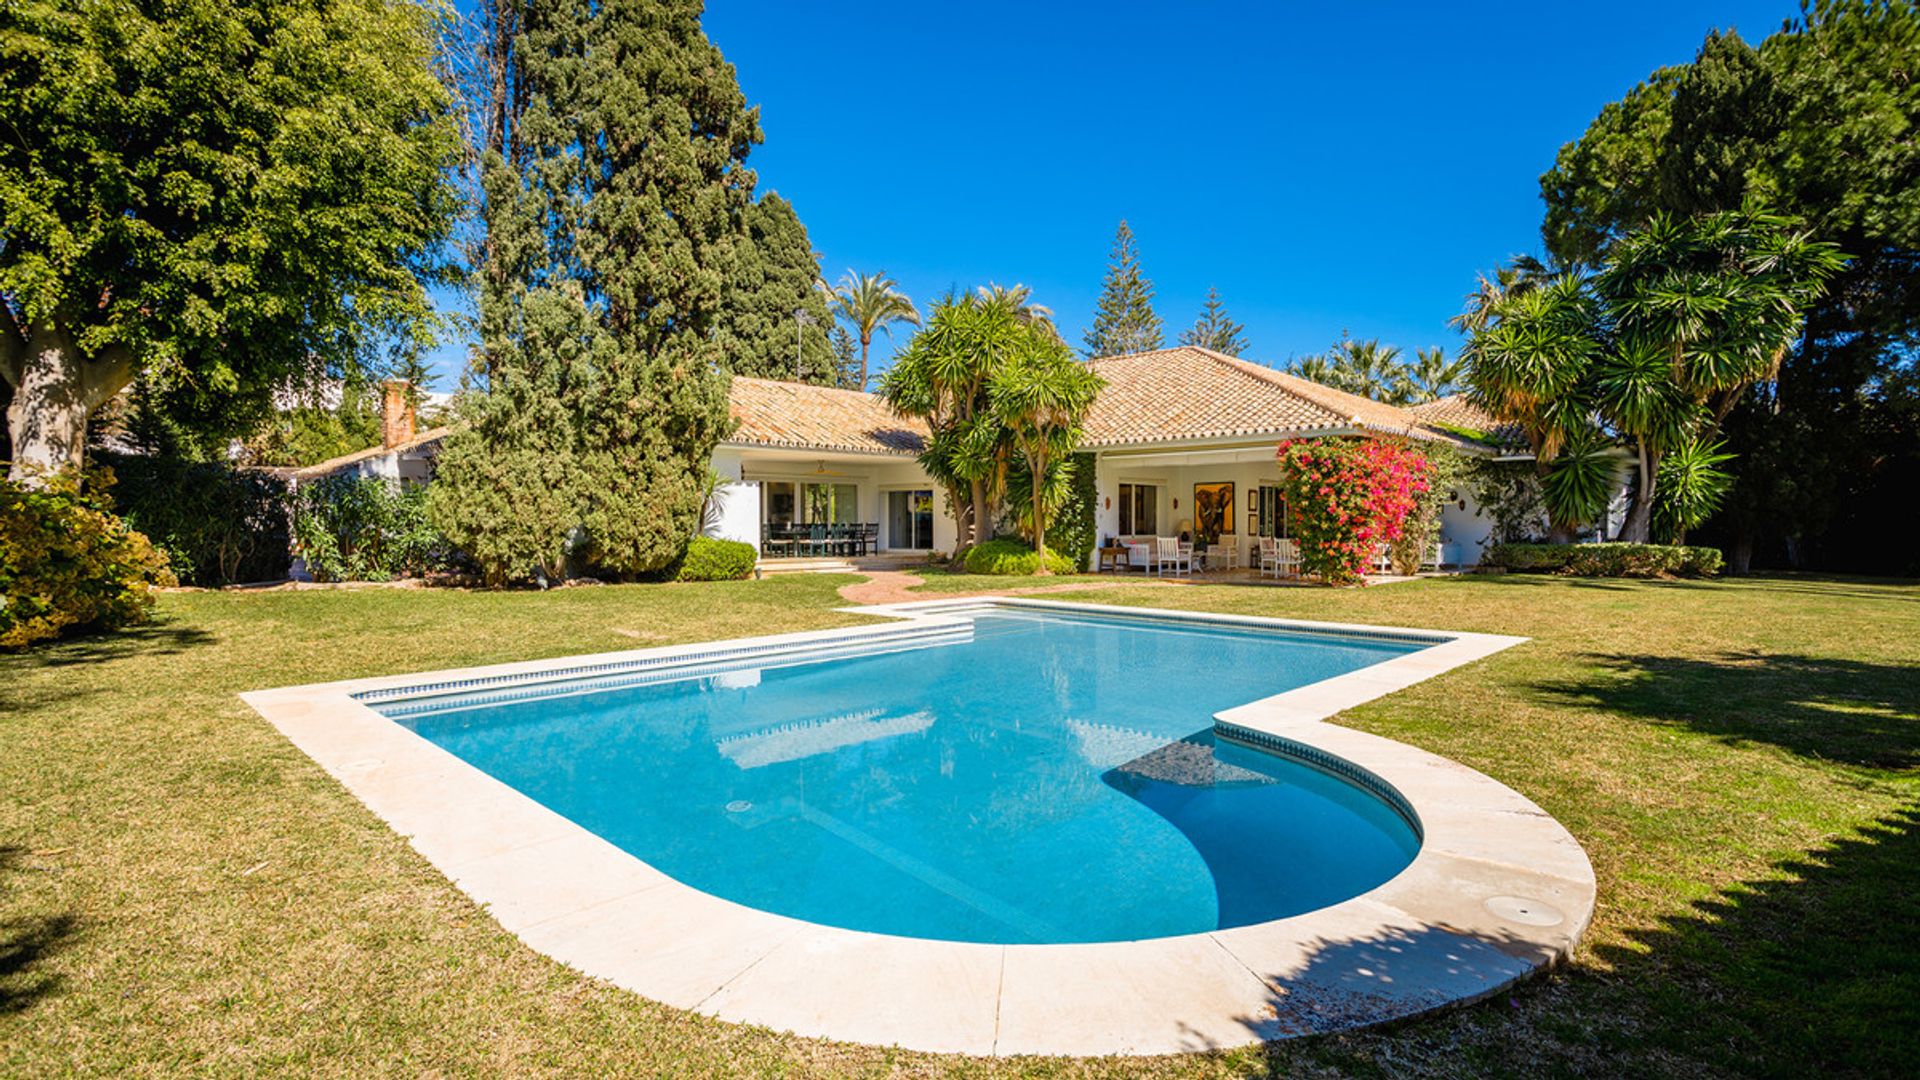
<point x="1212" y="512"/>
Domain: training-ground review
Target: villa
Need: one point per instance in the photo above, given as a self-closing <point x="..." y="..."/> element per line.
<point x="1183" y="442"/>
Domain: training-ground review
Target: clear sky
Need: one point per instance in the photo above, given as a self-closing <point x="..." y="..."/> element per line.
<point x="1327" y="166"/>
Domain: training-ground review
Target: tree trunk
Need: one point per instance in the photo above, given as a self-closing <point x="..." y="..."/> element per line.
<point x="865" y="341"/>
<point x="1639" y="524"/>
<point x="1740" y="558"/>
<point x="1038" y="468"/>
<point x="55" y="389"/>
<point x="980" y="525"/>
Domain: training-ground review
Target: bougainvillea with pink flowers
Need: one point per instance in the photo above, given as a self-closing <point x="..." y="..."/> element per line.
<point x="1346" y="497"/>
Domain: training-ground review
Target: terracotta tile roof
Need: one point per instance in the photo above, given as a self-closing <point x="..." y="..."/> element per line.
<point x="427" y="440"/>
<point x="1461" y="416"/>
<point x="801" y="416"/>
<point x="1185" y="393"/>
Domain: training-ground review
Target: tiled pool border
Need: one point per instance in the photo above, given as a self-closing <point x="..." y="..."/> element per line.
<point x="1498" y="890"/>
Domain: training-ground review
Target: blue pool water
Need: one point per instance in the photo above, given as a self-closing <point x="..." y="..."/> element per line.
<point x="1053" y="779"/>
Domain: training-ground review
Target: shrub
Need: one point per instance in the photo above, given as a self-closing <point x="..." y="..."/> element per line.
<point x="1008" y="556"/>
<point x="710" y="559"/>
<point x="217" y="524"/>
<point x="67" y="565"/>
<point x="1347" y="497"/>
<point x="1608" y="560"/>
<point x="365" y="528"/>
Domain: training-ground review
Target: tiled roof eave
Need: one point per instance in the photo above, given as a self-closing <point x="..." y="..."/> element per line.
<point x="812" y="447"/>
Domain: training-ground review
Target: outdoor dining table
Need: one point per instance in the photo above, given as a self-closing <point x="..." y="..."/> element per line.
<point x="820" y="538"/>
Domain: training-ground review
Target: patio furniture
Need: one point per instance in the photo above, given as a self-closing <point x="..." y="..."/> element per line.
<point x="1223" y="556"/>
<point x="1140" y="554"/>
<point x="1279" y="557"/>
<point x="1172" y="556"/>
<point x="1383" y="560"/>
<point x="1115" y="558"/>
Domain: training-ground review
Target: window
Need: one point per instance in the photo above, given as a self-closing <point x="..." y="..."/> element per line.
<point x="777" y="502"/>
<point x="1273" y="512"/>
<point x="836" y="504"/>
<point x="1139" y="510"/>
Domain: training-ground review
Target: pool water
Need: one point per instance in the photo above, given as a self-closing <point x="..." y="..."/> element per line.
<point x="1053" y="779"/>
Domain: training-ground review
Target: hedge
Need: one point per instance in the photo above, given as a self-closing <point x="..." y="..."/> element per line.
<point x="217" y="524"/>
<point x="709" y="559"/>
<point x="1608" y="560"/>
<point x="1008" y="556"/>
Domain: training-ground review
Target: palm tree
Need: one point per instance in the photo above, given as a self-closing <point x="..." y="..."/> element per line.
<point x="1434" y="376"/>
<point x="1367" y="368"/>
<point x="871" y="302"/>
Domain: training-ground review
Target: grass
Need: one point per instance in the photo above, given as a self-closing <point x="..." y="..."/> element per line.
<point x="182" y="890"/>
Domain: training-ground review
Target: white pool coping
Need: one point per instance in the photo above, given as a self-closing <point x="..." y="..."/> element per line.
<point x="1497" y="891"/>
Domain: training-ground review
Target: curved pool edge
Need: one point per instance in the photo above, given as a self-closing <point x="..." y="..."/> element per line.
<point x="1499" y="890"/>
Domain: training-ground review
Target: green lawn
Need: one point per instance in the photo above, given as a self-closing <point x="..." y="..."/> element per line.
<point x="181" y="889"/>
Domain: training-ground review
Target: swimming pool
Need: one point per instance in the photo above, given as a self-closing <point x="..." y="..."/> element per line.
<point x="469" y="766"/>
<point x="1034" y="777"/>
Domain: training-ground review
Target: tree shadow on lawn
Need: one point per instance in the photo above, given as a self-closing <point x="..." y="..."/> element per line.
<point x="1851" y="711"/>
<point x="26" y="941"/>
<point x="154" y="639"/>
<point x="1811" y="970"/>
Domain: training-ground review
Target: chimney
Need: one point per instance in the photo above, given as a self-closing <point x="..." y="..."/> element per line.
<point x="396" y="413"/>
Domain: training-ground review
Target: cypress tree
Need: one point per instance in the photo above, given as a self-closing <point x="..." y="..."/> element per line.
<point x="776" y="273"/>
<point x="1214" y="329"/>
<point x="1124" y="321"/>
<point x="614" y="220"/>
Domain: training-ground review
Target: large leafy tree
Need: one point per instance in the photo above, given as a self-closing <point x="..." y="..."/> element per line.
<point x="871" y="303"/>
<point x="1215" y="329"/>
<point x="615" y="196"/>
<point x="1123" y="320"/>
<point x="776" y="274"/>
<point x="1818" y="123"/>
<point x="216" y="199"/>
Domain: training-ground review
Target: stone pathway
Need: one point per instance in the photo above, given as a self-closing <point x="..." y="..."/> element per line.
<point x="893" y="587"/>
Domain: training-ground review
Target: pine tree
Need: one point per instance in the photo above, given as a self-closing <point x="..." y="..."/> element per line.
<point x="1214" y="330"/>
<point x="775" y="274"/>
<point x="846" y="359"/>
<point x="1124" y="321"/>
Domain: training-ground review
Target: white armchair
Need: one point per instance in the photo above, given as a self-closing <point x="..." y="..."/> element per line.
<point x="1172" y="556"/>
<point x="1279" y="557"/>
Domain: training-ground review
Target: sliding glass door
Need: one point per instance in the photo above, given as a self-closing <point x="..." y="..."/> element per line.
<point x="910" y="520"/>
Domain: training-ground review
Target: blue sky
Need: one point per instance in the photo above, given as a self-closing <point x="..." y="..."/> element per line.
<point x="1326" y="166"/>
